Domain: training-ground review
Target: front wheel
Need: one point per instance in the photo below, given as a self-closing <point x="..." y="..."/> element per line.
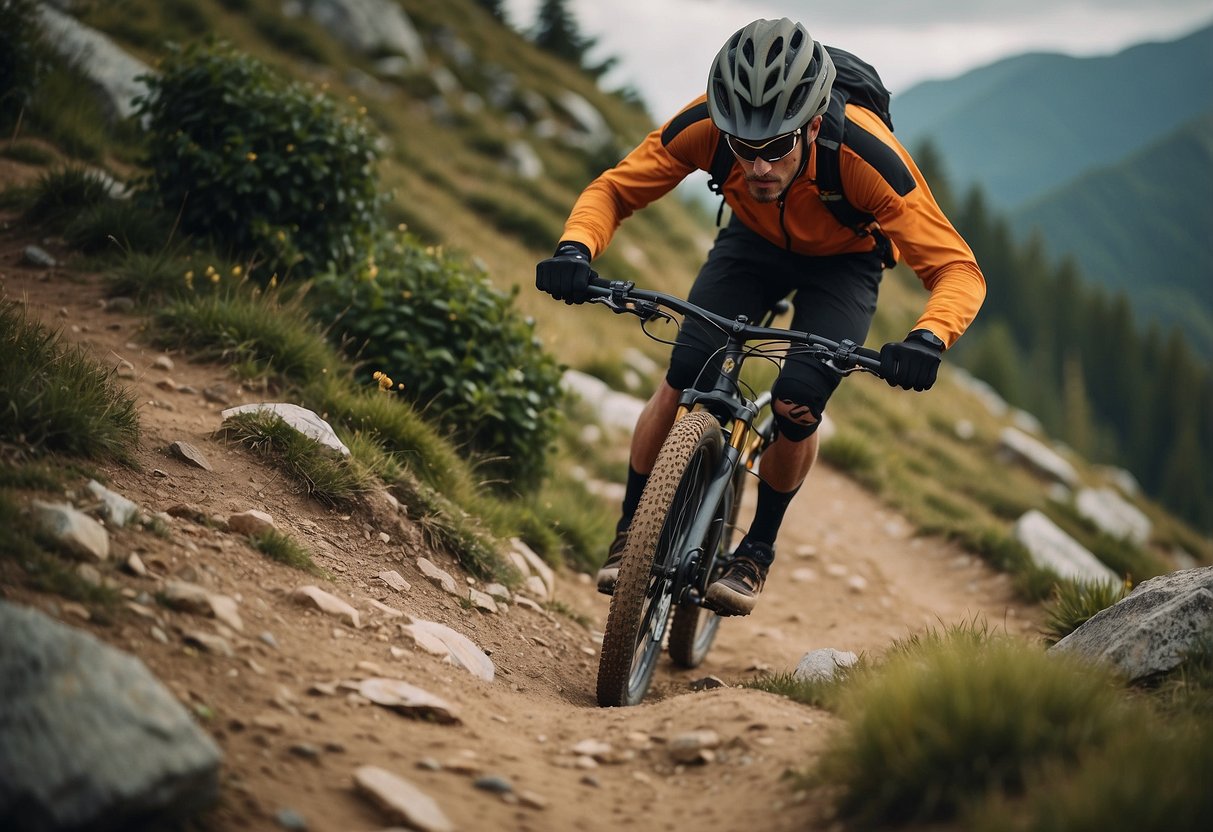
<point x="657" y="539"/>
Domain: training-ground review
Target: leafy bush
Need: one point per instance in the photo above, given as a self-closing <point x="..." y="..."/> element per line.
<point x="457" y="345"/>
<point x="265" y="166"/>
<point x="21" y="59"/>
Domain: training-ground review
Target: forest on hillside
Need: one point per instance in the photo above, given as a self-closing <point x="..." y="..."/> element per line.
<point x="1075" y="355"/>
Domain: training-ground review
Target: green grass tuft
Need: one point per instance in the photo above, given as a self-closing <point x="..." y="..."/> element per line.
<point x="61" y="195"/>
<point x="854" y="454"/>
<point x="116" y="226"/>
<point x="329" y="478"/>
<point x="285" y="549"/>
<point x="817" y="693"/>
<point x="57" y="399"/>
<point x="1074" y="603"/>
<point x="245" y="324"/>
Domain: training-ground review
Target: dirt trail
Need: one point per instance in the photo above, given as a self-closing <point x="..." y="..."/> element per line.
<point x="851" y="575"/>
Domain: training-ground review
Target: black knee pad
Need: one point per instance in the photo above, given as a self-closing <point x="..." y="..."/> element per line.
<point x="807" y="388"/>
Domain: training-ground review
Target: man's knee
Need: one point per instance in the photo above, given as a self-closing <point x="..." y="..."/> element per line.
<point x="799" y="400"/>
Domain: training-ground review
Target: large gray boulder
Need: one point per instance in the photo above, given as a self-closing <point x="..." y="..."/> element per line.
<point x="103" y="62"/>
<point x="89" y="739"/>
<point x="366" y="26"/>
<point x="1152" y="628"/>
<point x="1113" y="514"/>
<point x="1017" y="445"/>
<point x="1051" y="548"/>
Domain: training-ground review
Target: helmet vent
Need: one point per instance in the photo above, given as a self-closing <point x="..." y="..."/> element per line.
<point x="747" y="51"/>
<point x="797" y="39"/>
<point x="775" y="51"/>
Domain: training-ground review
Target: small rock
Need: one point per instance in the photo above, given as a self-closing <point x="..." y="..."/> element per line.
<point x="482" y="601"/>
<point x="209" y="642"/>
<point x="596" y="749"/>
<point x="532" y="800"/>
<point x="134" y="565"/>
<point x="823" y="665"/>
<point x="188" y="453"/>
<point x="438" y="576"/>
<point x="692" y="746"/>
<point x="493" y="783"/>
<point x="708" y="683"/>
<point x="328" y="604"/>
<point x="266" y="637"/>
<point x="116" y="509"/>
<point x="394" y="579"/>
<point x="79" y="534"/>
<point x="402" y="800"/>
<point x="440" y="640"/>
<point x="409" y="700"/>
<point x="216" y="394"/>
<point x="290" y="819"/>
<point x="536" y="587"/>
<point x="251" y="522"/>
<point x="163" y="362"/>
<point x="498" y="592"/>
<point x="300" y="418"/>
<point x="37" y="256"/>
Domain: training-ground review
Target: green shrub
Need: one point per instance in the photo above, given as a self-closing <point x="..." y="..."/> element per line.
<point x="938" y="729"/>
<point x="21" y="57"/>
<point x="266" y="167"/>
<point x="283" y="548"/>
<point x="458" y="346"/>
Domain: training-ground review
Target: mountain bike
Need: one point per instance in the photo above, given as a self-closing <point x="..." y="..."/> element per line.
<point x="681" y="536"/>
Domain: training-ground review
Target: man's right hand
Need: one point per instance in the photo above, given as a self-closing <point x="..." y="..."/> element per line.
<point x="566" y="275"/>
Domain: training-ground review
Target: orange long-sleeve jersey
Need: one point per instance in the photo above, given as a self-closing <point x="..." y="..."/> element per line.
<point x="878" y="177"/>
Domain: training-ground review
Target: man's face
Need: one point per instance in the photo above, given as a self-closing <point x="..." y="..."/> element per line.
<point x="767" y="180"/>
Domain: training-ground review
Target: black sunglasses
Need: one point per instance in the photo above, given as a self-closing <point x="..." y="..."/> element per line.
<point x="769" y="151"/>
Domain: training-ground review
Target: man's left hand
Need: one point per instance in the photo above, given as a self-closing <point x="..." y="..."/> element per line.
<point x="912" y="364"/>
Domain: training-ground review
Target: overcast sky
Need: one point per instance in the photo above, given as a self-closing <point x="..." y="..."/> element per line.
<point x="665" y="46"/>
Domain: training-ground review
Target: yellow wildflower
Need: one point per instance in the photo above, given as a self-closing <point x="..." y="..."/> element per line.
<point x="290" y="148"/>
<point x="251" y="156"/>
<point x="210" y="270"/>
<point x="215" y="277"/>
<point x="236" y="270"/>
<point x="273" y="280"/>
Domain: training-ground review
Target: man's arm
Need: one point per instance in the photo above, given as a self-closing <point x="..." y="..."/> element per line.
<point x="660" y="162"/>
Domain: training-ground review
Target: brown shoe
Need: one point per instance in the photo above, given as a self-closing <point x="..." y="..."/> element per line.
<point x="609" y="573"/>
<point x="736" y="591"/>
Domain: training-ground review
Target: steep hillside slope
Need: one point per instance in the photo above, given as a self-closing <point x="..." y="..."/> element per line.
<point x="281" y="694"/>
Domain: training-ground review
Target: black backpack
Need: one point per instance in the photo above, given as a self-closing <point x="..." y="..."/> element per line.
<point x="858" y="83"/>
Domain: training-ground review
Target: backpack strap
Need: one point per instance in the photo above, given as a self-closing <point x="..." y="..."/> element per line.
<point x="829" y="180"/>
<point x="722" y="164"/>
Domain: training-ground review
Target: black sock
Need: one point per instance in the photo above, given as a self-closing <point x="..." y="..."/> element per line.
<point x="768" y="514"/>
<point x="631" y="497"/>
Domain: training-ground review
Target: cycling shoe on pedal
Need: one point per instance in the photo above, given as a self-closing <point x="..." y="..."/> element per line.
<point x="609" y="573"/>
<point x="736" y="591"/>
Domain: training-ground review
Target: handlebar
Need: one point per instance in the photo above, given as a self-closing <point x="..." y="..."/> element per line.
<point x="622" y="296"/>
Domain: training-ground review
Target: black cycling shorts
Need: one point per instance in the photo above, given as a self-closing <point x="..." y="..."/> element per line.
<point x="745" y="274"/>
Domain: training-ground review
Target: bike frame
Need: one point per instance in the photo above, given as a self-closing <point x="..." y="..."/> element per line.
<point x="688" y="574"/>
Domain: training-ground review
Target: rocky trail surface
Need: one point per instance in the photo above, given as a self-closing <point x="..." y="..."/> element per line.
<point x="304" y="703"/>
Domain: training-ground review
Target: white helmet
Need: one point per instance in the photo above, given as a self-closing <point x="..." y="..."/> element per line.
<point x="770" y="78"/>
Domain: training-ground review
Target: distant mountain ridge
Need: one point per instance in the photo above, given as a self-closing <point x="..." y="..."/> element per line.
<point x="1022" y="126"/>
<point x="1143" y="227"/>
<point x="1109" y="159"/>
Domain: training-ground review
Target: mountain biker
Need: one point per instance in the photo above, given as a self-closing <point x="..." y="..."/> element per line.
<point x="767" y="90"/>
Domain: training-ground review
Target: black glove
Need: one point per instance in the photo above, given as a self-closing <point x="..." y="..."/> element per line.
<point x="912" y="364"/>
<point x="566" y="275"/>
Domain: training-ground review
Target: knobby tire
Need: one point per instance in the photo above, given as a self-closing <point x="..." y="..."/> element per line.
<point x="691" y="451"/>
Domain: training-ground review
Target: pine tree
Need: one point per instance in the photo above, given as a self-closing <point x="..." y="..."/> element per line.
<point x="494" y="7"/>
<point x="556" y="31"/>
